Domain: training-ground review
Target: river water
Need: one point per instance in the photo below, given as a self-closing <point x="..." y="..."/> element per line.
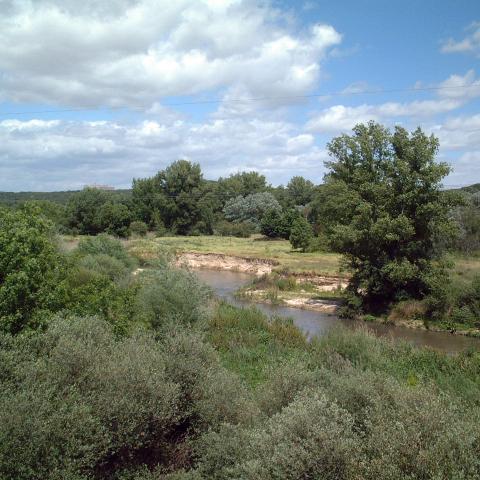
<point x="225" y="283"/>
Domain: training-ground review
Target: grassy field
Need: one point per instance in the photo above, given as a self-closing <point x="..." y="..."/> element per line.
<point x="465" y="268"/>
<point x="255" y="247"/>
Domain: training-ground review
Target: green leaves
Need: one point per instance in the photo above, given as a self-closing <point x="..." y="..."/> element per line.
<point x="383" y="206"/>
<point x="31" y="278"/>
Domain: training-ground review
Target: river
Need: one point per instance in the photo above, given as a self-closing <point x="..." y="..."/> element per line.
<point x="225" y="283"/>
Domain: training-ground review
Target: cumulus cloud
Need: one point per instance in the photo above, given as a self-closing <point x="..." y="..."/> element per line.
<point x="462" y="87"/>
<point x="469" y="44"/>
<point x="53" y="155"/>
<point x="135" y="53"/>
<point x="340" y="117"/>
<point x="458" y="133"/>
<point x="452" y="93"/>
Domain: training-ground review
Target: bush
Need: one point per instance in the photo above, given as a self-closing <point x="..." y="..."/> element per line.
<point x="77" y="403"/>
<point x="168" y="295"/>
<point x="251" y="208"/>
<point x="32" y="270"/>
<point x="104" y="244"/>
<point x="301" y="234"/>
<point x="138" y="228"/>
<point x="231" y="229"/>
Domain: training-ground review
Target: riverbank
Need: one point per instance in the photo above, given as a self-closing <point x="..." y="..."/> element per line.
<point x="277" y="253"/>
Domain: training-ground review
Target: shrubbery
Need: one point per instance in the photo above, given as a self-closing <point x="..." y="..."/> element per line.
<point x="234" y="229"/>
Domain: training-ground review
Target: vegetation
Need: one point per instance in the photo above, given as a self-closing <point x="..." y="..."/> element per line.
<point x="31" y="272"/>
<point x="384" y="209"/>
<point x="254" y="247"/>
<point x="301" y="234"/>
<point x="251" y="208"/>
<point x="381" y="209"/>
<point x="134" y="374"/>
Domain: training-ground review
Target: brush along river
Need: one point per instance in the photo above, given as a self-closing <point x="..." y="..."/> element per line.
<point x="225" y="283"/>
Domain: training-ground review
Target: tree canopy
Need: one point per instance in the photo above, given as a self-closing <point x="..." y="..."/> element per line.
<point x="31" y="271"/>
<point x="384" y="208"/>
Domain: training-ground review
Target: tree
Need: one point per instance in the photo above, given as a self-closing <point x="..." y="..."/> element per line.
<point x="82" y="210"/>
<point x="114" y="218"/>
<point x="301" y="233"/>
<point x="251" y="208"/>
<point x="174" y="196"/>
<point x="277" y="224"/>
<point x="240" y="184"/>
<point x="383" y="207"/>
<point x="31" y="270"/>
<point x="300" y="191"/>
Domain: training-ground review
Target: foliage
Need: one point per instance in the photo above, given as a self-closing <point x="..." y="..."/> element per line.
<point x="240" y="184"/>
<point x="92" y="211"/>
<point x="114" y="219"/>
<point x="31" y="270"/>
<point x="250" y="208"/>
<point x="138" y="228"/>
<point x="300" y="191"/>
<point x="234" y="229"/>
<point x="384" y="209"/>
<point x="104" y="244"/>
<point x="177" y="196"/>
<point x="468" y="219"/>
<point x="103" y="406"/>
<point x="301" y="234"/>
<point x="168" y="294"/>
<point x="277" y="224"/>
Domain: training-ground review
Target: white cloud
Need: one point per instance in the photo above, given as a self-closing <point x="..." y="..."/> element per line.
<point x="462" y="87"/>
<point x="68" y="154"/>
<point x="458" y="133"/>
<point x="134" y="53"/>
<point x="340" y="117"/>
<point x="452" y="93"/>
<point x="469" y="44"/>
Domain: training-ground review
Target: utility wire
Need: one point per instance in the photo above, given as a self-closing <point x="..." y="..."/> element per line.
<point x="252" y="99"/>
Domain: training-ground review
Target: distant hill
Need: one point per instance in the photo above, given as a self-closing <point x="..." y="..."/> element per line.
<point x="472" y="188"/>
<point x="14" y="198"/>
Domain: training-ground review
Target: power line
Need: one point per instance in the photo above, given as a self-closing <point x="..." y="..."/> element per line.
<point x="253" y="99"/>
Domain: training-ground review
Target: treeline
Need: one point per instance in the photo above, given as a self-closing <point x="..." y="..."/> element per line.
<point x="112" y="373"/>
<point x="381" y="206"/>
<point x="179" y="201"/>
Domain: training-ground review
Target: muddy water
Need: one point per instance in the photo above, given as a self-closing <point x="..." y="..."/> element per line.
<point x="225" y="283"/>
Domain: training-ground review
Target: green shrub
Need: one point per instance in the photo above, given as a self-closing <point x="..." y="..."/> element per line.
<point x="301" y="234"/>
<point x="104" y="244"/>
<point x="103" y="265"/>
<point x="78" y="403"/>
<point x="233" y="229"/>
<point x="32" y="271"/>
<point x="167" y="295"/>
<point x="138" y="228"/>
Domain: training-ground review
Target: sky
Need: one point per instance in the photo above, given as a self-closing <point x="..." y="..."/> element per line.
<point x="110" y="90"/>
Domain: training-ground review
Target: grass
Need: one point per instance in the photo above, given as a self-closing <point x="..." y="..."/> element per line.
<point x="254" y="247"/>
<point x="465" y="267"/>
<point x="250" y="345"/>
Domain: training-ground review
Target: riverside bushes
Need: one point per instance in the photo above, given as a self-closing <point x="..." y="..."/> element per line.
<point x="141" y="376"/>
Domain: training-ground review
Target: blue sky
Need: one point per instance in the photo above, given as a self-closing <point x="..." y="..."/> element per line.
<point x="120" y="89"/>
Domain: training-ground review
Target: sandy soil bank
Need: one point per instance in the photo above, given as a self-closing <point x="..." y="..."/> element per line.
<point x="218" y="261"/>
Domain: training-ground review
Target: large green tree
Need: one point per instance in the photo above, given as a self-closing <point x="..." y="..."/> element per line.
<point x="174" y="196"/>
<point x="240" y="184"/>
<point x="300" y="191"/>
<point x="31" y="270"/>
<point x="384" y="209"/>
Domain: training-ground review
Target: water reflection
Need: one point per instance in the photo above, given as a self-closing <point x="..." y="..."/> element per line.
<point x="225" y="283"/>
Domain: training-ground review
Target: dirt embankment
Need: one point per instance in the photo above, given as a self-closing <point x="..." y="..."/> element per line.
<point x="219" y="261"/>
